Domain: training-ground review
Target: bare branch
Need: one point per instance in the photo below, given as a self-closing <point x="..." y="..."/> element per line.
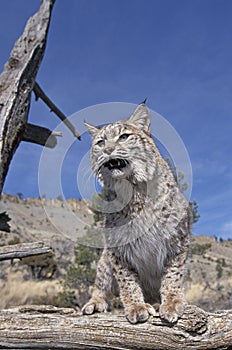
<point x="57" y="133"/>
<point x="39" y="135"/>
<point x="39" y="93"/>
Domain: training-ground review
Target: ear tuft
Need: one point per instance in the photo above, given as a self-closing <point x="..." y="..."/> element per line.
<point x="144" y="102"/>
<point x="93" y="130"/>
<point x="141" y="117"/>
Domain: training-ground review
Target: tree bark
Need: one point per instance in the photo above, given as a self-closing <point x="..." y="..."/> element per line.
<point x="17" y="81"/>
<point x="22" y="250"/>
<point x="47" y="327"/>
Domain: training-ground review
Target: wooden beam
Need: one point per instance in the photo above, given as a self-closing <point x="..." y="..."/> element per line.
<point x="22" y="250"/>
<point x="17" y="81"/>
<point x="47" y="327"/>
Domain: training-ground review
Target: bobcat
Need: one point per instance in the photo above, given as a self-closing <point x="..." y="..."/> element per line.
<point x="147" y="231"/>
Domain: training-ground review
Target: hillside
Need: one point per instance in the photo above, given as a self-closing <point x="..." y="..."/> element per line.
<point x="209" y="271"/>
<point x="209" y="279"/>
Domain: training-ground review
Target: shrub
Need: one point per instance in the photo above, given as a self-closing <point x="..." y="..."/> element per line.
<point x="14" y="240"/>
<point x="219" y="270"/>
<point x="80" y="276"/>
<point x="200" y="249"/>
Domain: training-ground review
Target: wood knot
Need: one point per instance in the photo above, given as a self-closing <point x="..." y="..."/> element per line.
<point x="194" y="320"/>
<point x="13" y="63"/>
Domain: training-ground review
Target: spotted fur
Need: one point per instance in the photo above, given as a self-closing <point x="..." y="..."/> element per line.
<point x="147" y="222"/>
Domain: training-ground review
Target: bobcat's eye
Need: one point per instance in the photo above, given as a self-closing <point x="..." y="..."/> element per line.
<point x="101" y="143"/>
<point x="123" y="137"/>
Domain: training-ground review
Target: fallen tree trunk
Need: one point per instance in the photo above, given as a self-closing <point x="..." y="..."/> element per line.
<point x="48" y="327"/>
<point x="22" y="250"/>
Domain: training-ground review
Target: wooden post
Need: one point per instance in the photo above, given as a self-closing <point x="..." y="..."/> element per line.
<point x="17" y="81"/>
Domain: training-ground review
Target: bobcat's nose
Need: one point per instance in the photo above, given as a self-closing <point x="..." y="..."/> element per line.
<point x="109" y="150"/>
<point x="109" y="147"/>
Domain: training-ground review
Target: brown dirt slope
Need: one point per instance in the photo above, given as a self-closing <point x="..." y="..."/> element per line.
<point x="63" y="223"/>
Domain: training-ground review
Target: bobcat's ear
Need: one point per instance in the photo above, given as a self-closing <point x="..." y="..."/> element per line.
<point x="141" y="118"/>
<point x="93" y="130"/>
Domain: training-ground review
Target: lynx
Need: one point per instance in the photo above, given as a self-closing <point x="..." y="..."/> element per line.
<point x="146" y="225"/>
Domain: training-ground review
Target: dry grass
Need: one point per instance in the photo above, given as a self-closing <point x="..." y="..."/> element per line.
<point x="16" y="291"/>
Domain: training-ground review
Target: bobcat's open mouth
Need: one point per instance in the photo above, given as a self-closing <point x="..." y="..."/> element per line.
<point x="116" y="163"/>
<point x="118" y="168"/>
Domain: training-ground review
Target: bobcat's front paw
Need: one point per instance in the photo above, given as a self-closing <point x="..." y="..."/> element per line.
<point x="138" y="313"/>
<point x="172" y="309"/>
<point x="96" y="304"/>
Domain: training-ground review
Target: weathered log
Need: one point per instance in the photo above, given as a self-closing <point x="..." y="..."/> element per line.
<point x="22" y="250"/>
<point x="44" y="327"/>
<point x="17" y="81"/>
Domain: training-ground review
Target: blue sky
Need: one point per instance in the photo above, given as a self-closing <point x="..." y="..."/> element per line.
<point x="176" y="53"/>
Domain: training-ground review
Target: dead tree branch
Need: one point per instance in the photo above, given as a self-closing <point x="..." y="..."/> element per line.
<point x="39" y="93"/>
<point x="22" y="250"/>
<point x="47" y="327"/>
<point x="39" y="135"/>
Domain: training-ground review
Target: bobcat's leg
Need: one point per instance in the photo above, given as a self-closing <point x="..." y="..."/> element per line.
<point x="131" y="294"/>
<point x="102" y="290"/>
<point x="173" y="300"/>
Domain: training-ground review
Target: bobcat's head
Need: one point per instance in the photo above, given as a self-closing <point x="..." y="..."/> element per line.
<point x="124" y="149"/>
